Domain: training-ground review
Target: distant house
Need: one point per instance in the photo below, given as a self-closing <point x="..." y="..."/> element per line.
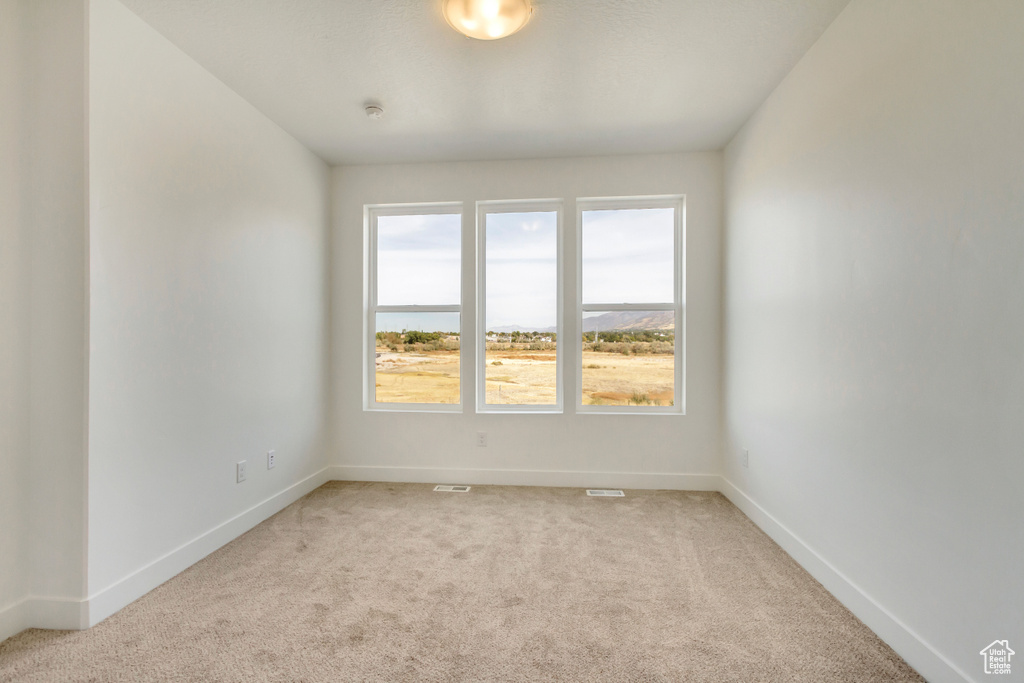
<point x="997" y="657"/>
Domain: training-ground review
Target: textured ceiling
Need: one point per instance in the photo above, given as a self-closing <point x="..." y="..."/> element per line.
<point x="584" y="77"/>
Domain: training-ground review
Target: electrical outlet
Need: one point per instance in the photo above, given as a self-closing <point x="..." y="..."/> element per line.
<point x="745" y="458"/>
<point x="271" y="460"/>
<point x="481" y="439"/>
<point x="240" y="471"/>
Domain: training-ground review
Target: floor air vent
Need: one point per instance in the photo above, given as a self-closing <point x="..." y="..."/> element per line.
<point x="608" y="493"/>
<point x="452" y="489"/>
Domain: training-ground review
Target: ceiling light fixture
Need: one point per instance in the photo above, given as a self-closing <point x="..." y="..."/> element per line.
<point x="487" y="19"/>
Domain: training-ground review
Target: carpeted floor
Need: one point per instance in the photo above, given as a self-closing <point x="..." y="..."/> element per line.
<point x="393" y="582"/>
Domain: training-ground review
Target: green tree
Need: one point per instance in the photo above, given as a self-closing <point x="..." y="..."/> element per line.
<point x="418" y="337"/>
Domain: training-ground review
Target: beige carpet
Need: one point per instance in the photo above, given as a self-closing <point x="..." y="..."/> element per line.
<point x="393" y="582"/>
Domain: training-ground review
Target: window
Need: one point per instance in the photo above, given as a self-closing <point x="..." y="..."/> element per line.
<point x="519" y="309"/>
<point x="630" y="284"/>
<point x="414" y="313"/>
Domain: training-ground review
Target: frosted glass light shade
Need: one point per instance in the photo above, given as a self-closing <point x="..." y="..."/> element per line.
<point x="487" y="19"/>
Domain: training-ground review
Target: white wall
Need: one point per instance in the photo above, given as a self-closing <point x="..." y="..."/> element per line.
<point x="875" y="318"/>
<point x="43" y="305"/>
<point x="208" y="257"/>
<point x="14" y="312"/>
<point x="531" y="449"/>
<point x="58" y="229"/>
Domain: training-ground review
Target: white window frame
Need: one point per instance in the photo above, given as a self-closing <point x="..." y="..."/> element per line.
<point x="515" y="206"/>
<point x="678" y="306"/>
<point x="371" y="212"/>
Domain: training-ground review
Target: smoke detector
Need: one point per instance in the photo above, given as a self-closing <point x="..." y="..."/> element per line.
<point x="374" y="111"/>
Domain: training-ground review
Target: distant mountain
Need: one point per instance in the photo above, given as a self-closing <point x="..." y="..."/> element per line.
<point x="630" y="320"/>
<point x="615" y="320"/>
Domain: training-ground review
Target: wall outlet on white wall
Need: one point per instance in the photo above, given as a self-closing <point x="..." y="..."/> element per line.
<point x="481" y="439"/>
<point x="271" y="460"/>
<point x="240" y="471"/>
<point x="745" y="458"/>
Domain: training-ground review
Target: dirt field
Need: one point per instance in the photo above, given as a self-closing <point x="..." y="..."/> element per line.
<point x="525" y="377"/>
<point x="616" y="380"/>
<point x="412" y="377"/>
<point x="521" y="377"/>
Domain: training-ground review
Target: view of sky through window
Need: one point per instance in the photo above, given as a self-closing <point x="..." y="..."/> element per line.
<point x="419" y="259"/>
<point x="628" y="310"/>
<point x="416" y="355"/>
<point x="522" y="270"/>
<point x="521" y="308"/>
<point x="628" y="256"/>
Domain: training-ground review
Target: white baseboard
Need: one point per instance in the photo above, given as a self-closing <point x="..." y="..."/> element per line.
<point x="111" y="599"/>
<point x="13" y="619"/>
<point x="58" y="613"/>
<point x="481" y="477"/>
<point x="923" y="657"/>
<point x="42" y="612"/>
